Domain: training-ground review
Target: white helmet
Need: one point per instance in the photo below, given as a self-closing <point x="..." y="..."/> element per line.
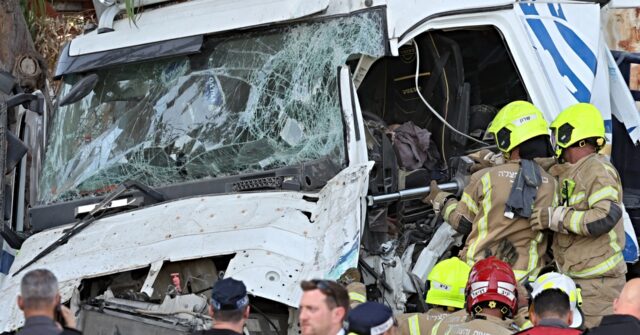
<point x="557" y="280"/>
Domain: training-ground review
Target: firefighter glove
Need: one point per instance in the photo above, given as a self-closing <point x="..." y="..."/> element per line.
<point x="437" y="198"/>
<point x="549" y="218"/>
<point x="507" y="252"/>
<point x="485" y="158"/>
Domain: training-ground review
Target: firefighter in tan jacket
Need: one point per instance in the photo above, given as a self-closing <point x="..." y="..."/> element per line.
<point x="496" y="205"/>
<point x="447" y="282"/>
<point x="589" y="234"/>
<point x="492" y="301"/>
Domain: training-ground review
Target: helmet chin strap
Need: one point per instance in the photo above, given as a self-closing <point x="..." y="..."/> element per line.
<point x="478" y="309"/>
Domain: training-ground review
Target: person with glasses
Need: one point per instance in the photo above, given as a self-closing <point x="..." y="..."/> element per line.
<point x="323" y="307"/>
<point x="229" y="308"/>
<point x="587" y="223"/>
<point x="371" y="318"/>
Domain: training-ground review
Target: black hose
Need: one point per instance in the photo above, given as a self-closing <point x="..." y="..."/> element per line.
<point x="3" y="152"/>
<point x="266" y="317"/>
<point x="421" y="296"/>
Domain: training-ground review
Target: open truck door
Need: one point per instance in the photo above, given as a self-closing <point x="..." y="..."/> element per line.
<point x="21" y="119"/>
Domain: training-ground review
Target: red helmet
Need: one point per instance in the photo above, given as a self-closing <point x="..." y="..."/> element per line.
<point x="492" y="284"/>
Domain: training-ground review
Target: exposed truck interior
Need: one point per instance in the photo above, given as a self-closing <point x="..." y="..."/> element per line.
<point x="466" y="85"/>
<point x="174" y="303"/>
<point x="466" y="75"/>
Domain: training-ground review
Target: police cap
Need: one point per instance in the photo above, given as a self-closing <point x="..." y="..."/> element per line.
<point x="229" y="294"/>
<point x="370" y="318"/>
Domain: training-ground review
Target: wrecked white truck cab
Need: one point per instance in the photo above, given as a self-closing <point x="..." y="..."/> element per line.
<point x="248" y="135"/>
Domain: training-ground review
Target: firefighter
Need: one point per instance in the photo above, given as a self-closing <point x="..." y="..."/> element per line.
<point x="496" y="205"/>
<point x="491" y="302"/>
<point x="589" y="234"/>
<point x="555" y="280"/>
<point x="551" y="314"/>
<point x="447" y="281"/>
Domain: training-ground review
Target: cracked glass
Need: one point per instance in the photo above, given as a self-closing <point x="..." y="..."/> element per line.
<point x="247" y="103"/>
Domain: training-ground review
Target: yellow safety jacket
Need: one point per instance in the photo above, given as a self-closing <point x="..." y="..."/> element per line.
<point x="421" y="323"/>
<point x="481" y="214"/>
<point x="592" y="246"/>
<point x="357" y="294"/>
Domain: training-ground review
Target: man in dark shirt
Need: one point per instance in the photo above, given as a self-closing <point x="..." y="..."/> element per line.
<point x="39" y="300"/>
<point x="229" y="307"/>
<point x="626" y="319"/>
<point x="551" y="314"/>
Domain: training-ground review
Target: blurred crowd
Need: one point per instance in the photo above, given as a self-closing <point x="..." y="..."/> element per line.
<point x="483" y="299"/>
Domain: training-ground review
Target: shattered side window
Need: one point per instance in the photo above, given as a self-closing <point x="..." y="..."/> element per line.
<point x="246" y="103"/>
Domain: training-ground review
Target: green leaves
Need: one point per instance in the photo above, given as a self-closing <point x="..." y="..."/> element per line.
<point x="130" y="10"/>
<point x="33" y="11"/>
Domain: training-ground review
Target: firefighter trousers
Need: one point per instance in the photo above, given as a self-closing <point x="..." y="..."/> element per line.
<point x="598" y="295"/>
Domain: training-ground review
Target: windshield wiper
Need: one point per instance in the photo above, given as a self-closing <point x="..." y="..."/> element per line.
<point x="91" y="217"/>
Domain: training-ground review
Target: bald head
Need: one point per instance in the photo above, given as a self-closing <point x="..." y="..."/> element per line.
<point x="629" y="300"/>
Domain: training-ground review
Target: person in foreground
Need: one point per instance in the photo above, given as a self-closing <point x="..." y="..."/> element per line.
<point x="39" y="300"/>
<point x="371" y="318"/>
<point x="551" y="314"/>
<point x="445" y="296"/>
<point x="626" y="309"/>
<point x="229" y="307"/>
<point x="492" y="301"/>
<point x="323" y="307"/>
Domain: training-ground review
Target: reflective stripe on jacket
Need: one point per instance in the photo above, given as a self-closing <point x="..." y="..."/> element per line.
<point x="595" y="239"/>
<point x="482" y="324"/>
<point x="481" y="214"/>
<point x="420" y="323"/>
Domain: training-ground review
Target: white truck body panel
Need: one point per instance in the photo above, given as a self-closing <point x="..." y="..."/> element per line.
<point x="566" y="48"/>
<point x="404" y="15"/>
<point x="268" y="232"/>
<point x="204" y="17"/>
<point x="558" y="50"/>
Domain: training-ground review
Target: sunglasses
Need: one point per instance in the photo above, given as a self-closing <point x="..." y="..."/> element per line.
<point x="325" y="286"/>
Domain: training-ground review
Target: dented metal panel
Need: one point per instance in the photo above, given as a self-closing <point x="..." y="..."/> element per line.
<point x="404" y="15"/>
<point x="195" y="18"/>
<point x="279" y="238"/>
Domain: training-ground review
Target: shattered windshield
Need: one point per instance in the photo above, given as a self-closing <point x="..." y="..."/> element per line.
<point x="246" y="103"/>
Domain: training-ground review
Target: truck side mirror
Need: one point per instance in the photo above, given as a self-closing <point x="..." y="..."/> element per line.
<point x="80" y="89"/>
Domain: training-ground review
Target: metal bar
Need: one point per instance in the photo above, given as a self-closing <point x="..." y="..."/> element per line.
<point x="627" y="57"/>
<point x="412" y="193"/>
